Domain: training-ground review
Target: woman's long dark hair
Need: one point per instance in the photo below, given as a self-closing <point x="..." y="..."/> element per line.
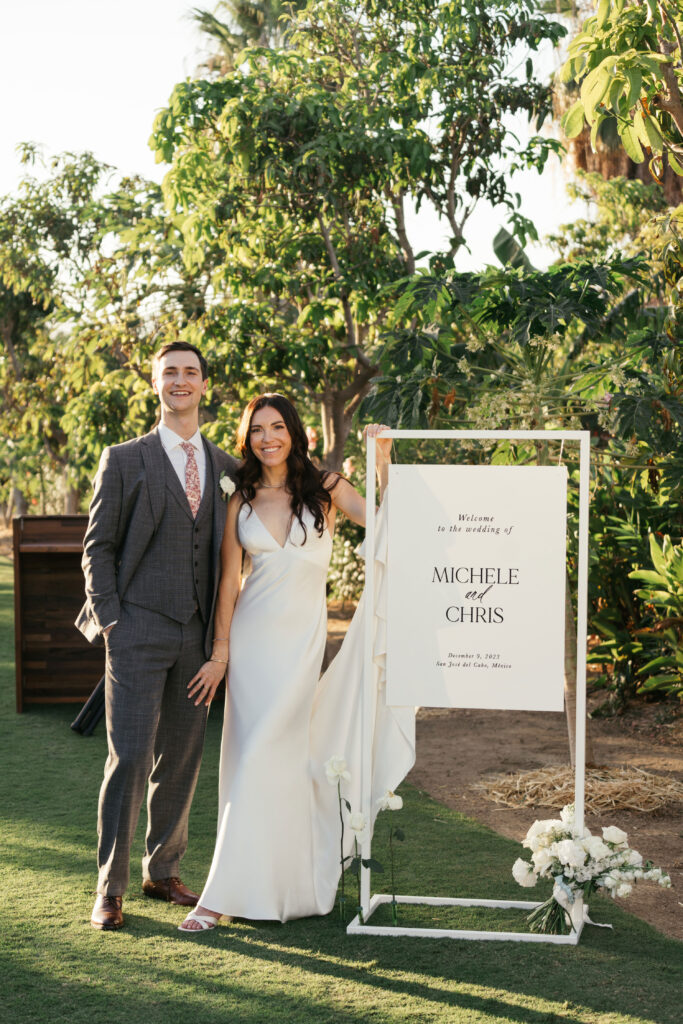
<point x="305" y="482"/>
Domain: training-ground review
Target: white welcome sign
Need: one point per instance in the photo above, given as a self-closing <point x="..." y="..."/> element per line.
<point x="476" y="586"/>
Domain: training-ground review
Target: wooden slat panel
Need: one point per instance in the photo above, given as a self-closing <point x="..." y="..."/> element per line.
<point x="54" y="661"/>
<point x="55" y="546"/>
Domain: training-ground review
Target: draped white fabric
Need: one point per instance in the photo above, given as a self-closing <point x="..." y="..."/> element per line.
<point x="277" y="851"/>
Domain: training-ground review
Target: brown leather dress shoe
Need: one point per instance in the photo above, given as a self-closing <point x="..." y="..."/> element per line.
<point x="106" y="914"/>
<point x="170" y="889"/>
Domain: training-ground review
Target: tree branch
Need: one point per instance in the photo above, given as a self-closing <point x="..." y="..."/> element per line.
<point x="6" y="330"/>
<point x="353" y="392"/>
<point x="450" y="194"/>
<point x="672" y="102"/>
<point x="674" y="28"/>
<point x="399" y="214"/>
<point x="336" y="270"/>
<point x="459" y="236"/>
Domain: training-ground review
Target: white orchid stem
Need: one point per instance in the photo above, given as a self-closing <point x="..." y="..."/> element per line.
<point x="360" y="868"/>
<point x="391" y="862"/>
<point x="341" y="850"/>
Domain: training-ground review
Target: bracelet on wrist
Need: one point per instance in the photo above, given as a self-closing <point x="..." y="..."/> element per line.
<point x="219" y="661"/>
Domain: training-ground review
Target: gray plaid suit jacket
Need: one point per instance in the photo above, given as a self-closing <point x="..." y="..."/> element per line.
<point x="127" y="506"/>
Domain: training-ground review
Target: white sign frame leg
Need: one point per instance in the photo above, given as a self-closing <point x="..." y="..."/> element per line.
<point x="369" y="904"/>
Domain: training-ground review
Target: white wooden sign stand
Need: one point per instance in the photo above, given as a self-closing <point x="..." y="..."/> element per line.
<point x="369" y="904"/>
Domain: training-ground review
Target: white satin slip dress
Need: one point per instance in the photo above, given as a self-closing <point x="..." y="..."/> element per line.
<point x="277" y="848"/>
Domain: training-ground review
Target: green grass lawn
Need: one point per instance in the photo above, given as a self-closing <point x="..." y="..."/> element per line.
<point x="55" y="967"/>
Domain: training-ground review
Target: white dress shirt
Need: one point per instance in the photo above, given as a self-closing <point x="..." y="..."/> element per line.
<point x="172" y="442"/>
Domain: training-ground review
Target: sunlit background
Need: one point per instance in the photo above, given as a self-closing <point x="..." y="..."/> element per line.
<point x="88" y="75"/>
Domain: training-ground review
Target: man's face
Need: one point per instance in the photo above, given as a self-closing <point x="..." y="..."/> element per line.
<point x="178" y="382"/>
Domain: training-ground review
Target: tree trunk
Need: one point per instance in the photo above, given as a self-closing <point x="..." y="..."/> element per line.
<point x="72" y="498"/>
<point x="43" y="497"/>
<point x="337" y="409"/>
<point x="336" y="427"/>
<point x="17" y="504"/>
<point x="570" y="666"/>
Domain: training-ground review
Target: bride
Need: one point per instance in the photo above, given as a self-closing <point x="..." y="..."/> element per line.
<point x="277" y="848"/>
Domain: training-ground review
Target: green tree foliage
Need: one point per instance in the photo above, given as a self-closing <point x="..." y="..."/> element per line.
<point x="528" y="348"/>
<point x="48" y="241"/>
<point x="235" y="24"/>
<point x="495" y="350"/>
<point x="92" y="280"/>
<point x="628" y="59"/>
<point x="646" y="403"/>
<point x="586" y="344"/>
<point x="293" y="176"/>
<point x="663" y="590"/>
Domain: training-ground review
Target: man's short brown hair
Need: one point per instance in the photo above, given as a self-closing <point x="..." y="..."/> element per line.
<point x="182" y="346"/>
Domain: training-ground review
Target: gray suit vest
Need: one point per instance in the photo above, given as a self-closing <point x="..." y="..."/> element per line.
<point x="174" y="575"/>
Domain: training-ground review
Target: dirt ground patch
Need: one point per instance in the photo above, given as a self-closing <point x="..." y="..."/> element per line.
<point x="456" y="747"/>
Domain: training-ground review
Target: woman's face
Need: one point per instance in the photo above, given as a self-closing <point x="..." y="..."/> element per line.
<point x="269" y="438"/>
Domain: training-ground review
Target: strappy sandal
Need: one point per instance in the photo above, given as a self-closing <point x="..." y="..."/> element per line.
<point x="206" y="921"/>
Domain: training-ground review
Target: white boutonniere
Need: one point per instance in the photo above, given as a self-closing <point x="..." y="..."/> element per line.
<point x="227" y="486"/>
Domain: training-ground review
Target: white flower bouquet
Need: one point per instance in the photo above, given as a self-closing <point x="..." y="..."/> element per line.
<point x="578" y="863"/>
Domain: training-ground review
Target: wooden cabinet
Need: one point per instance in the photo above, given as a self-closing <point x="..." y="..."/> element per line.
<point x="54" y="662"/>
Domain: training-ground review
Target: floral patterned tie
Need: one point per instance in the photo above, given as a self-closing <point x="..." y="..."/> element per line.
<point x="192" y="487"/>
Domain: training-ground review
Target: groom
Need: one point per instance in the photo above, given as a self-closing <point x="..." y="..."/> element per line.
<point x="151" y="565"/>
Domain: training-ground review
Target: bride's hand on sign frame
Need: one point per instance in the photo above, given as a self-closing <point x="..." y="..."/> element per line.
<point x="383" y="446"/>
